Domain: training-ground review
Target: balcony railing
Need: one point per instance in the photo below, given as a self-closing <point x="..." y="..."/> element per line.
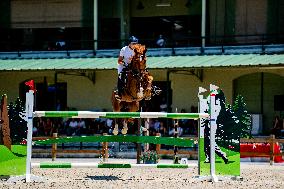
<point x="263" y="44"/>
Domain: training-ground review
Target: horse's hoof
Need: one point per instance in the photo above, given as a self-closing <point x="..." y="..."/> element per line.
<point x="124" y="131"/>
<point x="115" y="132"/>
<point x="144" y="129"/>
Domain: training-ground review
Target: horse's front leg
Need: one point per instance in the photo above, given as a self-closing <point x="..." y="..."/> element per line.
<point x="115" y="130"/>
<point x="148" y="79"/>
<point x="125" y="128"/>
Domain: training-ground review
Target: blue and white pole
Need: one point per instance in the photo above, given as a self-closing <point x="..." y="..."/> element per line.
<point x="215" y="110"/>
<point x="202" y="107"/>
<point x="29" y="119"/>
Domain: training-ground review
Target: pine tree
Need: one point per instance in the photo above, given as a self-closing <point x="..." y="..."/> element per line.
<point x="244" y="125"/>
<point x="18" y="126"/>
<point x="227" y="124"/>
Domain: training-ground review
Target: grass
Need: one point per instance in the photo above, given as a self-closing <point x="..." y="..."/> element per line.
<point x="232" y="168"/>
<point x="13" y="162"/>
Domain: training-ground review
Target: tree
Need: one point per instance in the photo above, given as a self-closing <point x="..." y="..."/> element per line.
<point x="5" y="123"/>
<point x="18" y="126"/>
<point x="226" y="120"/>
<point x="244" y="125"/>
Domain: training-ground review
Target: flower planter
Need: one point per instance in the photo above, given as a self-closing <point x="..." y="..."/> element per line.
<point x="149" y="157"/>
<point x="149" y="162"/>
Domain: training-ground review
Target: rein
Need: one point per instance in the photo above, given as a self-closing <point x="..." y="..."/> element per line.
<point x="136" y="72"/>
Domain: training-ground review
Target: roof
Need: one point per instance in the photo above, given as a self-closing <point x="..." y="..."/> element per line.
<point x="169" y="62"/>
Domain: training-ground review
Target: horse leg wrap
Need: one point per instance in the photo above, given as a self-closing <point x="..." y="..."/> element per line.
<point x="115" y="130"/>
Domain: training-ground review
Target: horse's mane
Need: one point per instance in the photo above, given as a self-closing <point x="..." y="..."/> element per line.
<point x="139" y="58"/>
<point x="140" y="49"/>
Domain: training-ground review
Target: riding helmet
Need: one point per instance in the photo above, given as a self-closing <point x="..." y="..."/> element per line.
<point x="133" y="39"/>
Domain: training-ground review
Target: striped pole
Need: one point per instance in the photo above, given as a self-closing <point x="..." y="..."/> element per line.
<point x="29" y="119"/>
<point x="67" y="165"/>
<point x="214" y="107"/>
<point x="90" y="114"/>
<point x="181" y="142"/>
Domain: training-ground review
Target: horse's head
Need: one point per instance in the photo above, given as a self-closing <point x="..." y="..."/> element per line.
<point x="139" y="59"/>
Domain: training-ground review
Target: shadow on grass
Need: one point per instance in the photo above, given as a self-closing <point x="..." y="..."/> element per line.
<point x="223" y="162"/>
<point x="18" y="155"/>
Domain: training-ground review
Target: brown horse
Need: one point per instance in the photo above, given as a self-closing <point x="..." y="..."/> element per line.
<point x="138" y="85"/>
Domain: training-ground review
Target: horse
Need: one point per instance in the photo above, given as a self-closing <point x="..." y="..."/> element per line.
<point x="138" y="86"/>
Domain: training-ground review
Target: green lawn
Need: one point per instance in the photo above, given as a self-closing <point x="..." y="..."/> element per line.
<point x="13" y="162"/>
<point x="232" y="168"/>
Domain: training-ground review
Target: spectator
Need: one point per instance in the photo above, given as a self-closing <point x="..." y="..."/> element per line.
<point x="277" y="126"/>
<point x="160" y="41"/>
<point x="81" y="127"/>
<point x="73" y="125"/>
<point x="60" y="44"/>
<point x="58" y="105"/>
<point x="59" y="126"/>
<point x="92" y="126"/>
<point x="163" y="105"/>
<point x="162" y="129"/>
<point x="184" y="123"/>
<point x="110" y="125"/>
<point x="179" y="131"/>
<point x="40" y="126"/>
<point x="48" y="127"/>
<point x="157" y="125"/>
<point x="152" y="131"/>
<point x="35" y="131"/>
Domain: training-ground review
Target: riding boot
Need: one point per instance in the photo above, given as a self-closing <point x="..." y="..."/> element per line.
<point x="120" y="85"/>
<point x="119" y="89"/>
<point x="123" y="78"/>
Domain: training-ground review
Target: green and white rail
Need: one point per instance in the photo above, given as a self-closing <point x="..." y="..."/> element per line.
<point x="66" y="165"/>
<point x="90" y="114"/>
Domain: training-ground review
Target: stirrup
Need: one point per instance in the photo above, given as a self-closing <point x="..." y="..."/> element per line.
<point x="158" y="92"/>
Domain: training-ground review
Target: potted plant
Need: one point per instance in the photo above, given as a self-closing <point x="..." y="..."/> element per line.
<point x="150" y="157"/>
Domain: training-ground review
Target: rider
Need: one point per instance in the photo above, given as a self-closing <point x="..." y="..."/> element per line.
<point x="125" y="56"/>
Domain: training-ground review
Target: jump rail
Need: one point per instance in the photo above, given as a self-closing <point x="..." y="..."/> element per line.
<point x="90" y="114"/>
<point x="66" y="165"/>
<point x="121" y="138"/>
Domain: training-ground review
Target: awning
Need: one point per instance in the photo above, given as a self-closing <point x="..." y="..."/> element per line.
<point x="166" y="62"/>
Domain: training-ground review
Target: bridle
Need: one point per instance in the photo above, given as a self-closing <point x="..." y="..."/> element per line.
<point x="137" y="71"/>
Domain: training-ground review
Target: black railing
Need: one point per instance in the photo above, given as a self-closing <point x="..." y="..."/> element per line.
<point x="192" y="41"/>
